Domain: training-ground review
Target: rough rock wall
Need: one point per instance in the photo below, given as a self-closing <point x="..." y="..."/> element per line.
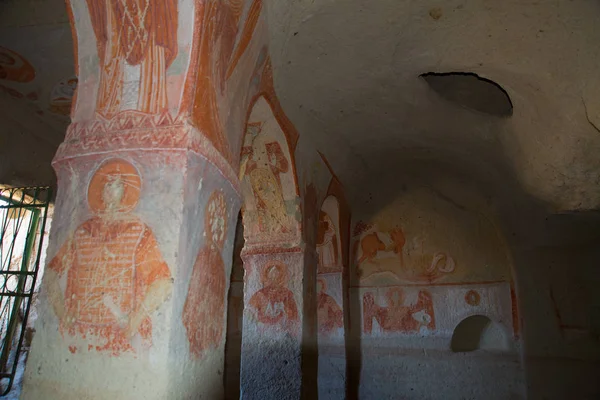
<point x="556" y="258"/>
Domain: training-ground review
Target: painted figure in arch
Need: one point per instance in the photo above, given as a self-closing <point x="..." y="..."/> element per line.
<point x="397" y="316"/>
<point x="221" y="46"/>
<point x="274" y="304"/>
<point x="327" y="244"/>
<point x="329" y="313"/>
<point x="204" y="308"/>
<point x="116" y="276"/>
<point x="136" y="42"/>
<point x="263" y="165"/>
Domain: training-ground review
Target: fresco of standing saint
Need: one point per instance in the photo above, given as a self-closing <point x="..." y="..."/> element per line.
<point x="263" y="165"/>
<point x="132" y="34"/>
<point x="204" y="308"/>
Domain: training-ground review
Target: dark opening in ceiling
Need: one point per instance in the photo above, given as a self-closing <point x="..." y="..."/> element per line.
<point x="471" y="91"/>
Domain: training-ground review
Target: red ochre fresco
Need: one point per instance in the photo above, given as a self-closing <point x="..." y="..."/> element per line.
<point x="327" y="245"/>
<point x="14" y="67"/>
<point x="204" y="308"/>
<point x="472" y="298"/>
<point x="398" y="317"/>
<point x="116" y="276"/>
<point x="215" y="57"/>
<point x="218" y="27"/>
<point x="267" y="90"/>
<point x="329" y="314"/>
<point x="274" y="304"/>
<point x="266" y="184"/>
<point x="371" y="245"/>
<point x="246" y="35"/>
<point x="422" y="267"/>
<point x="134" y="32"/>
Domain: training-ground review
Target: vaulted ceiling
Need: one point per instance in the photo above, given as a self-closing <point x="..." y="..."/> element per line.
<point x="348" y="75"/>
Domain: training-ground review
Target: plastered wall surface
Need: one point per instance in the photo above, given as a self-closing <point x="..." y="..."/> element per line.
<point x="420" y="265"/>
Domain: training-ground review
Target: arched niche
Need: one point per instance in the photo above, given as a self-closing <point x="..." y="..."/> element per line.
<point x="329" y="247"/>
<point x="270" y="209"/>
<point x="330" y="317"/>
<point x="453" y="256"/>
<point x="478" y="332"/>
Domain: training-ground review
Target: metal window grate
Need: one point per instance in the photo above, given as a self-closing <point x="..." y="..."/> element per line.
<point x="23" y="213"/>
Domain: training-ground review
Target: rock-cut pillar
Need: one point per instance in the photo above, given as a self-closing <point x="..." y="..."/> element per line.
<point x="274" y="315"/>
<point x="133" y="301"/>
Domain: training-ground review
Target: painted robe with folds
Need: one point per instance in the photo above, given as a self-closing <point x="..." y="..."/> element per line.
<point x="134" y="33"/>
<point x="275" y="305"/>
<point x="204" y="308"/>
<point x="109" y="265"/>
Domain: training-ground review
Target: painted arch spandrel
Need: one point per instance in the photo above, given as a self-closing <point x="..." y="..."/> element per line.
<point x="271" y="210"/>
<point x="225" y="45"/>
<point x="133" y="56"/>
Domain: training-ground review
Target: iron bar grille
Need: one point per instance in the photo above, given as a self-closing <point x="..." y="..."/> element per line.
<point x="23" y="213"/>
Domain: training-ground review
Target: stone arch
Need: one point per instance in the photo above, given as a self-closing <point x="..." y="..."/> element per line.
<point x="274" y="260"/>
<point x="478" y="332"/>
<point x="269" y="182"/>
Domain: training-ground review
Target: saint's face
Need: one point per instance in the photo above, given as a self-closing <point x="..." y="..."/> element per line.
<point x="113" y="194"/>
<point x="273" y="277"/>
<point x="395" y="298"/>
<point x="320" y="286"/>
